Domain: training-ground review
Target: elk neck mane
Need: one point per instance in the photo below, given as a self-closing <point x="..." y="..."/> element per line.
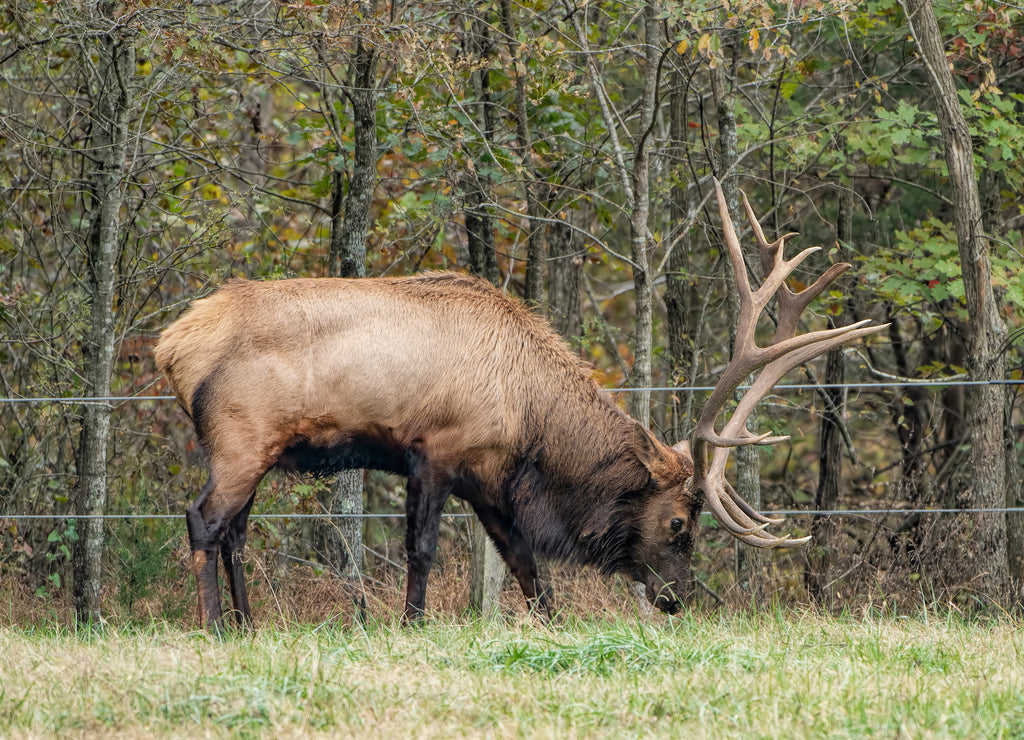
<point x="579" y="486"/>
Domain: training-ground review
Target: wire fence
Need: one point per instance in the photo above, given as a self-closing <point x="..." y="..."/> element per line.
<point x="661" y="389"/>
<point x="669" y="389"/>
<point x="456" y="515"/>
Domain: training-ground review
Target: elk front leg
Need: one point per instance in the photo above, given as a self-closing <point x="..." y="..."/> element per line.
<point x="517" y="555"/>
<point x="427" y="494"/>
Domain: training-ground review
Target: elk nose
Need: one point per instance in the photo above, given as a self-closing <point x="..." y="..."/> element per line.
<point x="669" y="606"/>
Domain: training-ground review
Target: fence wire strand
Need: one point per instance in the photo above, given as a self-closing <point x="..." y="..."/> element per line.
<point x="454" y="515"/>
<point x="665" y="389"/>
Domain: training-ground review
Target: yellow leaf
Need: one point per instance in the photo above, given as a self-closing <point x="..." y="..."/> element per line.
<point x="682" y="46"/>
<point x="754" y="40"/>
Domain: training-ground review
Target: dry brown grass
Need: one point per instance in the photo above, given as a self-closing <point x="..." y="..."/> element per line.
<point x="284" y="591"/>
<point x="301" y="594"/>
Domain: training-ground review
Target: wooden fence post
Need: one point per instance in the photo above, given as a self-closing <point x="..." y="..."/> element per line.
<point x="487" y="572"/>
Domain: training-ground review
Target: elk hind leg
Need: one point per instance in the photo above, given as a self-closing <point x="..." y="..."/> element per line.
<point x="232" y="552"/>
<point x="209" y="519"/>
<point x="203" y="543"/>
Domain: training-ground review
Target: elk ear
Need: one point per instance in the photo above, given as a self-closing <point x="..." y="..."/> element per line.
<point x="646" y="447"/>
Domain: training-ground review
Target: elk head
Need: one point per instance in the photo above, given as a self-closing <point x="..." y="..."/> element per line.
<point x="667" y="525"/>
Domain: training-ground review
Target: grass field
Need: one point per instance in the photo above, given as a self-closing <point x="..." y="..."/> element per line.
<point x="766" y="674"/>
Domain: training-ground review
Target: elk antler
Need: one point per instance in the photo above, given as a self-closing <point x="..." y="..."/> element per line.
<point x="786" y="351"/>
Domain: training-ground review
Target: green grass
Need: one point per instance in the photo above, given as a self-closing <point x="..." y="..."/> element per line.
<point x="748" y="675"/>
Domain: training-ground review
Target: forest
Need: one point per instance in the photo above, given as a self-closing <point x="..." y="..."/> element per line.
<point x="565" y="151"/>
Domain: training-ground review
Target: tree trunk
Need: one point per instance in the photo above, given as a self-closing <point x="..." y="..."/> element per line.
<point x="253" y="130"/>
<point x="825" y="529"/>
<point x="679" y="284"/>
<point x="477" y="188"/>
<point x="487" y="572"/>
<point x="991" y="185"/>
<point x="984" y="543"/>
<point x="483" y="257"/>
<point x="111" y="92"/>
<point x="536" y="249"/>
<point x="565" y="269"/>
<point x="1014" y="500"/>
<point x="343" y="537"/>
<point x="640" y="241"/>
<point x="749" y="562"/>
<point x="348" y="243"/>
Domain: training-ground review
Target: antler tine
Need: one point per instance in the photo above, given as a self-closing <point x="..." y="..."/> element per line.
<point x="730" y="516"/>
<point x="732" y="243"/>
<point x="786" y="358"/>
<point x="786" y="351"/>
<point x="751" y="535"/>
<point x="777" y="269"/>
<point x="769" y="251"/>
<point x="791" y="304"/>
<point x="740" y="512"/>
<point x="747" y="509"/>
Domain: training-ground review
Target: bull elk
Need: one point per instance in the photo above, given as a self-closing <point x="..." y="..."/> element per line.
<point x="443" y="379"/>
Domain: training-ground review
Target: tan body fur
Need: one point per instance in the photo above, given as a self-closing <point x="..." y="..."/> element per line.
<point x="437" y="377"/>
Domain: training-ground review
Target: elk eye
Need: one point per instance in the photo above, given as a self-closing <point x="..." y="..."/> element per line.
<point x="676" y="524"/>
